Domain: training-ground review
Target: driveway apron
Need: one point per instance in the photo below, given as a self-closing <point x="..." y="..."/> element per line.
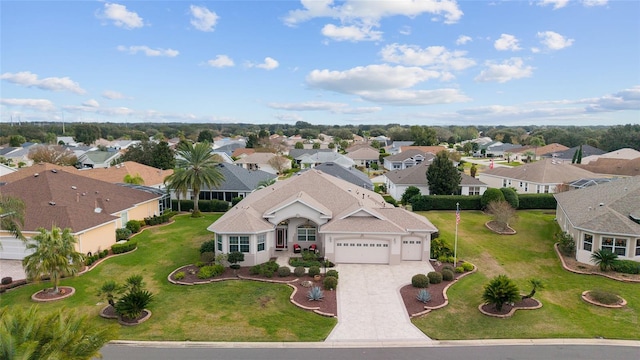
<point x="370" y="307"/>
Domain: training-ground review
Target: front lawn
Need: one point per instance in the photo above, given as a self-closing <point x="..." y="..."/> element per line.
<point x="523" y="256"/>
<point x="224" y="311"/>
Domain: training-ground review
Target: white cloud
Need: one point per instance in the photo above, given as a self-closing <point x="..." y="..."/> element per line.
<point x="415" y="97"/>
<point x="29" y="79"/>
<point x="557" y="4"/>
<point x="288" y="117"/>
<point x="357" y="18"/>
<point x="31" y="104"/>
<point x="148" y="51"/>
<point x="112" y="95"/>
<point x="91" y="103"/>
<point x="510" y="69"/>
<point x="334" y="107"/>
<point x="405" y="30"/>
<point x="351" y="33"/>
<point x="590" y="3"/>
<point x="120" y="16"/>
<point x="507" y="42"/>
<point x="268" y="64"/>
<point x="221" y="61"/>
<point x="203" y="18"/>
<point x="435" y="57"/>
<point x="628" y="99"/>
<point x="463" y="39"/>
<point x="554" y="41"/>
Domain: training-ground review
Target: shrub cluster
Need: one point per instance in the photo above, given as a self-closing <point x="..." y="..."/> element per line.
<point x="266" y="269"/>
<point x="179" y="275"/>
<point x="604" y="297"/>
<point x="435" y="277"/>
<point x="157" y="220"/>
<point x="333" y="273"/>
<point x="295" y="262"/>
<point x="123" y="234"/>
<point x="134" y="225"/>
<point x="447" y="275"/>
<point x="444" y="202"/>
<point x="314" y="270"/>
<point x="208" y="257"/>
<point x="446" y="259"/>
<point x="89" y="260"/>
<point x="124" y="247"/>
<point x="536" y="201"/>
<point x="299" y="271"/>
<point x="284" y="271"/>
<point x="330" y="282"/>
<point x="210" y="271"/>
<point x="203" y="205"/>
<point x="440" y="248"/>
<point x="208" y="246"/>
<point x="626" y="266"/>
<point x="420" y="281"/>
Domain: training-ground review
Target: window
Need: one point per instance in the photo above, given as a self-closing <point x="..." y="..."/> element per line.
<point x="620" y="247"/>
<point x="587" y="242"/>
<point x="504" y="182"/>
<point x="307" y="233"/>
<point x="239" y="243"/>
<point x="637" y="247"/>
<point x="607" y="244"/>
<point x="262" y="238"/>
<point x="474" y="190"/>
<point x="219" y="242"/>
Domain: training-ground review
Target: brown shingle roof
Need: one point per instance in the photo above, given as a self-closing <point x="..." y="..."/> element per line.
<point x="115" y="174"/>
<point x="66" y="200"/>
<point x="425" y="149"/>
<point x="612" y="166"/>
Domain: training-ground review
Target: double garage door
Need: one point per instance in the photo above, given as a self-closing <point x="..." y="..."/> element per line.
<point x="13" y="249"/>
<point x="362" y="251"/>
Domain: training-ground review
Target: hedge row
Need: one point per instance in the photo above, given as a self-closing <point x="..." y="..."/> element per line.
<point x="473" y="202"/>
<point x="157" y="220"/>
<point x="124" y="247"/>
<point x="203" y="205"/>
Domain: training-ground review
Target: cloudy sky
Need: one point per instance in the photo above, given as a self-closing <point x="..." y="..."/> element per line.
<point x="425" y="62"/>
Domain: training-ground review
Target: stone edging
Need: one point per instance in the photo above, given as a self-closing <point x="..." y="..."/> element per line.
<point x="575" y="271"/>
<point x="34" y="298"/>
<point x="428" y="309"/>
<point x="500" y="232"/>
<point x="102" y="314"/>
<point x="511" y="312"/>
<point x="95" y="264"/>
<point x="139" y="321"/>
<point x="615" y="306"/>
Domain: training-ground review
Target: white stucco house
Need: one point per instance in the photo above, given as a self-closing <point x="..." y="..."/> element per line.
<point x="348" y="224"/>
<point x="604" y="216"/>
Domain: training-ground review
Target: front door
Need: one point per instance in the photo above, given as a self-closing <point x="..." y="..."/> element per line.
<point x="281" y="238"/>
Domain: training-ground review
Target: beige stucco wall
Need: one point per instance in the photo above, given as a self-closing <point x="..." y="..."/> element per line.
<point x="99" y="238"/>
<point x="139" y="212"/>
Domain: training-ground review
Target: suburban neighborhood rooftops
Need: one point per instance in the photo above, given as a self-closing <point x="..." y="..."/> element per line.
<point x="351" y="175"/>
<point x="546" y="171"/>
<point x="237" y="178"/>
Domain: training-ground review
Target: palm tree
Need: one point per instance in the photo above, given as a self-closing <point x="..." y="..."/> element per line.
<point x="536" y="284"/>
<point x="134" y="283"/>
<point x="265" y="183"/>
<point x="499" y="291"/>
<point x="109" y="290"/>
<point x="536" y="141"/>
<point x="200" y="169"/>
<point x="54" y="256"/>
<point x="26" y="334"/>
<point x="133" y="303"/>
<point x="604" y="259"/>
<point x="176" y="182"/>
<point x="135" y="179"/>
<point x="12" y="212"/>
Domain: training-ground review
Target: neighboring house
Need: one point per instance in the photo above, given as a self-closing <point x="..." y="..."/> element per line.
<point x="4" y="170"/>
<point x="622" y="154"/>
<point x="152" y="177"/>
<point x="542" y="176"/>
<point x="295" y="153"/>
<point x="238" y="182"/>
<point x="97" y="159"/>
<point x="242" y="152"/>
<point x="79" y="150"/>
<point x="587" y="150"/>
<point x="425" y="149"/>
<point x="224" y="156"/>
<point x="407" y="159"/>
<point x="502" y="150"/>
<point x="351" y="175"/>
<point x="396" y="146"/>
<point x="269" y="162"/>
<point x="19" y="155"/>
<point x="346" y="223"/>
<point x="610" y="166"/>
<point x="66" y="140"/>
<point x="364" y="156"/>
<point x="549" y="150"/>
<point x="397" y="182"/>
<point x="307" y="161"/>
<point x="93" y="209"/>
<point x="605" y="216"/>
<point x="229" y="145"/>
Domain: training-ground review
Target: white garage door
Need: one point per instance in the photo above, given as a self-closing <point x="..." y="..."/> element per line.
<point x="13" y="249"/>
<point x="412" y="249"/>
<point x="362" y="251"/>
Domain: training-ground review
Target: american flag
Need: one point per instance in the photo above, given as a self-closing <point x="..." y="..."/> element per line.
<point x="458" y="216"/>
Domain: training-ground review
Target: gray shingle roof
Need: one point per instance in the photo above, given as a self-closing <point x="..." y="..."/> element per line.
<point x="237" y="178"/>
<point x="417" y="175"/>
<point x="351" y="175"/>
<point x="604" y="208"/>
<point x="546" y="171"/>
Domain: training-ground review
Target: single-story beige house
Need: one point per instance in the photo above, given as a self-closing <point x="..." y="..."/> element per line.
<point x="604" y="216"/>
<point x="348" y="224"/>
<point x="93" y="209"/>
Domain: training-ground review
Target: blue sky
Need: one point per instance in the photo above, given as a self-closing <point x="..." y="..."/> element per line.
<point x="551" y="62"/>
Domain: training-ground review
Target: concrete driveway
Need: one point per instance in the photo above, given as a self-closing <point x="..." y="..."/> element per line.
<point x="12" y="268"/>
<point x="370" y="308"/>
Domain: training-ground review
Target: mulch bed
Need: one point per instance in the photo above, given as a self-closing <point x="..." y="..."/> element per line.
<point x="573" y="265"/>
<point x="437" y="291"/>
<point x="49" y="295"/>
<point x="528" y="303"/>
<point x="500" y="228"/>
<point x="328" y="305"/>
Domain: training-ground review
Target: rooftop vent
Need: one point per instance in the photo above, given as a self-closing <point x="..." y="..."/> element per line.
<point x="35" y="175"/>
<point x="73" y="187"/>
<point x="54" y="171"/>
<point x="601" y="204"/>
<point x="97" y="210"/>
<point x="52" y="203"/>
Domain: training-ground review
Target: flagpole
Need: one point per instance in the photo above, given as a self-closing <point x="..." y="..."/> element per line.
<point x="455" y="244"/>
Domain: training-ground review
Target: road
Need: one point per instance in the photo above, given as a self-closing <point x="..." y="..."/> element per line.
<point x="438" y="352"/>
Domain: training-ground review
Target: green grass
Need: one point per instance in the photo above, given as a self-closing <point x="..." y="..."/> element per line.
<point x="224" y="311"/>
<point x="523" y="256"/>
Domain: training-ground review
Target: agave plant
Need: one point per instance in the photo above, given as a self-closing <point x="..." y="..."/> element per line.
<point x="424" y="296"/>
<point x="315" y="294"/>
<point x="132" y="304"/>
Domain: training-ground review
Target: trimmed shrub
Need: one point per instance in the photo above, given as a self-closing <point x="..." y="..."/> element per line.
<point x="314" y="270"/>
<point x="445" y="202"/>
<point x="179" y="275"/>
<point x="440" y="247"/>
<point x="124" y="247"/>
<point x="123" y="234"/>
<point x="284" y="271"/>
<point x="447" y="267"/>
<point x="295" y="262"/>
<point x="435" y="277"/>
<point x="424" y="296"/>
<point x="105" y="252"/>
<point x="626" y="266"/>
<point x="566" y="244"/>
<point x="203" y="205"/>
<point x="208" y="257"/>
<point x="268" y="273"/>
<point x="420" y="281"/>
<point x="255" y="270"/>
<point x="333" y="273"/>
<point x="537" y="201"/>
<point x="6" y="280"/>
<point x="511" y="197"/>
<point x="447" y="275"/>
<point x="459" y="269"/>
<point x="235" y="200"/>
<point x="134" y="226"/>
<point x="467" y="266"/>
<point x="208" y="246"/>
<point x="390" y="200"/>
<point x="299" y="271"/>
<point x="491" y="194"/>
<point x="330" y="283"/>
<point x="210" y="271"/>
<point x="157" y="220"/>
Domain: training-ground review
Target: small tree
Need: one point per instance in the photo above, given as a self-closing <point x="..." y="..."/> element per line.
<point x="502" y="212"/>
<point x="499" y="291"/>
<point x="410" y="192"/>
<point x="234" y="258"/>
<point x="604" y="259"/>
<point x="134" y="283"/>
<point x="109" y="290"/>
<point x="442" y="176"/>
<point x="473" y="170"/>
<point x="536" y="284"/>
<point x="133" y="303"/>
<point x="566" y="244"/>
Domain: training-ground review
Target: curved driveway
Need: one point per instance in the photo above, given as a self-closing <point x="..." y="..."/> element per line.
<point x="370" y="308"/>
